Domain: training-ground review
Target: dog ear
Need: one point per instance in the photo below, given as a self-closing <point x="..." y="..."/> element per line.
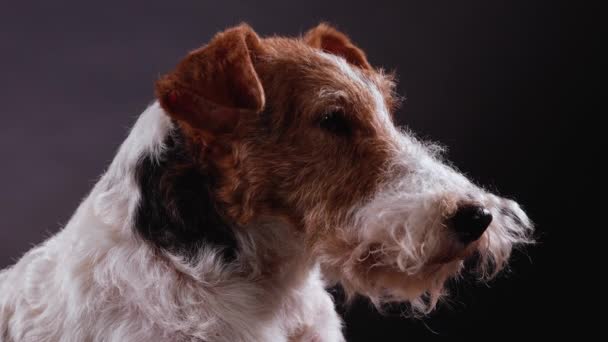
<point x="332" y="41"/>
<point x="215" y="84"/>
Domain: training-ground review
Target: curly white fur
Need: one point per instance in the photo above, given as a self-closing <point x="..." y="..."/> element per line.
<point x="403" y="226"/>
<point x="96" y="281"/>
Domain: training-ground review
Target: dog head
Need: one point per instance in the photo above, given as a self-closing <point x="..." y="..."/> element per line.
<point x="301" y="130"/>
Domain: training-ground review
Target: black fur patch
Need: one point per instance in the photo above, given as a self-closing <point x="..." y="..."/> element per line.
<point x="177" y="211"/>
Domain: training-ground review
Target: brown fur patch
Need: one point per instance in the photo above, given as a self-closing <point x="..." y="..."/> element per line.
<point x="215" y="84"/>
<point x="276" y="160"/>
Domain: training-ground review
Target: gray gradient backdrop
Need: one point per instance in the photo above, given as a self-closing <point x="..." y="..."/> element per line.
<point x="481" y="78"/>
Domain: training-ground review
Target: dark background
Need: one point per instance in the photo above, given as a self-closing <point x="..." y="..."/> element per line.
<point x="484" y="78"/>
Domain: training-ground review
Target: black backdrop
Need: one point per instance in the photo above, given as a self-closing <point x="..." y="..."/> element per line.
<point x="483" y="78"/>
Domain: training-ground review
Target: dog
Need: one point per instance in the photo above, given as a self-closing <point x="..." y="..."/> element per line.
<point x="266" y="170"/>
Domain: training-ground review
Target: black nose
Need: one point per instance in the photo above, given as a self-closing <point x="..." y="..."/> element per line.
<point x="470" y="222"/>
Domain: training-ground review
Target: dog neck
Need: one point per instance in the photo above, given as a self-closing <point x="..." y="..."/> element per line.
<point x="155" y="191"/>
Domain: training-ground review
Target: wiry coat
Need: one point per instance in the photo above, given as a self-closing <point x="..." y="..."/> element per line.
<point x="266" y="168"/>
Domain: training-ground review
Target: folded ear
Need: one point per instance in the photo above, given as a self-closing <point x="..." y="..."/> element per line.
<point x="332" y="41"/>
<point x="215" y="84"/>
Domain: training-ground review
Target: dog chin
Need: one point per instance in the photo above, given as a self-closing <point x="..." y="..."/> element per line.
<point x="388" y="284"/>
<point x="383" y="282"/>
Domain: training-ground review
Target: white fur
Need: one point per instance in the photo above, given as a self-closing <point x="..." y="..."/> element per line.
<point x="96" y="281"/>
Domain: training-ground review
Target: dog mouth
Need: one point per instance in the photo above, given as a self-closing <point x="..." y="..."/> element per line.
<point x="460" y="253"/>
<point x="376" y="257"/>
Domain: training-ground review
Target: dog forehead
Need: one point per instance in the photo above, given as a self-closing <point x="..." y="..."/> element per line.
<point x="361" y="86"/>
<point x="322" y="75"/>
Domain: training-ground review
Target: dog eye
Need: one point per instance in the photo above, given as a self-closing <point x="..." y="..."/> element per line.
<point x="335" y="122"/>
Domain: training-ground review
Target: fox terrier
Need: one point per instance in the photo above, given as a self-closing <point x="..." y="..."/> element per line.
<point x="266" y="170"/>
